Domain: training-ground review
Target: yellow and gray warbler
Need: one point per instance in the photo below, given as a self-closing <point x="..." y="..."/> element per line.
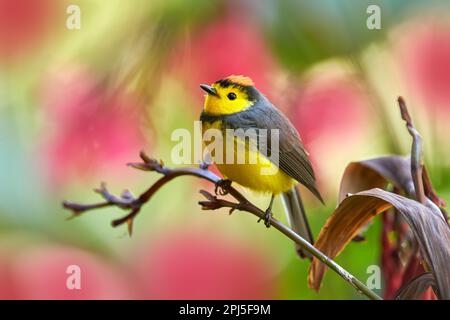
<point x="235" y="103"/>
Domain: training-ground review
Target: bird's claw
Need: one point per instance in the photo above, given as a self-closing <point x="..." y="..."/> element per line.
<point x="266" y="218"/>
<point x="221" y="187"/>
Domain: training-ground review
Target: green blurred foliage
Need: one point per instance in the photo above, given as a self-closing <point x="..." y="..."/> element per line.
<point x="127" y="46"/>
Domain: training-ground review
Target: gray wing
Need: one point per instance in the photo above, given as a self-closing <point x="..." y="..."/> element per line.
<point x="293" y="158"/>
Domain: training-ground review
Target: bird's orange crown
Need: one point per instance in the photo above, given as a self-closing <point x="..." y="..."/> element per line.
<point x="240" y="80"/>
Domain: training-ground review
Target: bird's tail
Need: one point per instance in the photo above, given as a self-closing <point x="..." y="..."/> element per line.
<point x="297" y="218"/>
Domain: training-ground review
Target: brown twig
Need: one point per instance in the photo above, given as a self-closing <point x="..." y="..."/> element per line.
<point x="128" y="202"/>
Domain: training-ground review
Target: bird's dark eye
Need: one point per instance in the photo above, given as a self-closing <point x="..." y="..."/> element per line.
<point x="231" y="96"/>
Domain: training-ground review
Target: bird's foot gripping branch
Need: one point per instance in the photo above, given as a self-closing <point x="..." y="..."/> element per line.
<point x="413" y="200"/>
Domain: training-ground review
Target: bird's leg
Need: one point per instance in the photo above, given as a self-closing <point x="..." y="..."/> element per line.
<point x="221" y="187"/>
<point x="268" y="213"/>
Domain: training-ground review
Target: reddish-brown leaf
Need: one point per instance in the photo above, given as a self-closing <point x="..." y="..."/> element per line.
<point x="426" y="222"/>
<point x="376" y="173"/>
<point x="416" y="287"/>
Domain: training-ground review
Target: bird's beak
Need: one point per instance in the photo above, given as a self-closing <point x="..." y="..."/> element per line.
<point x="209" y="90"/>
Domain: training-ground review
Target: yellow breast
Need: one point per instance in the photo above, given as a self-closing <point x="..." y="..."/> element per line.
<point x="251" y="175"/>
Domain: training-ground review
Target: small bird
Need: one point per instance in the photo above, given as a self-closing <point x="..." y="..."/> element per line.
<point x="235" y="103"/>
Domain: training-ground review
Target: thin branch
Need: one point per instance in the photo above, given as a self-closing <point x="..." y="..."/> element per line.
<point x="128" y="202"/>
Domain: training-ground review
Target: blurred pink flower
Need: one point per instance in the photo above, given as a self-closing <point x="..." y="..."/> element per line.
<point x="331" y="114"/>
<point x="330" y="108"/>
<point x="188" y="265"/>
<point x="6" y="285"/>
<point x="91" y="127"/>
<point x="23" y="24"/>
<point x="230" y="45"/>
<point x="423" y="51"/>
<point x="41" y="273"/>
